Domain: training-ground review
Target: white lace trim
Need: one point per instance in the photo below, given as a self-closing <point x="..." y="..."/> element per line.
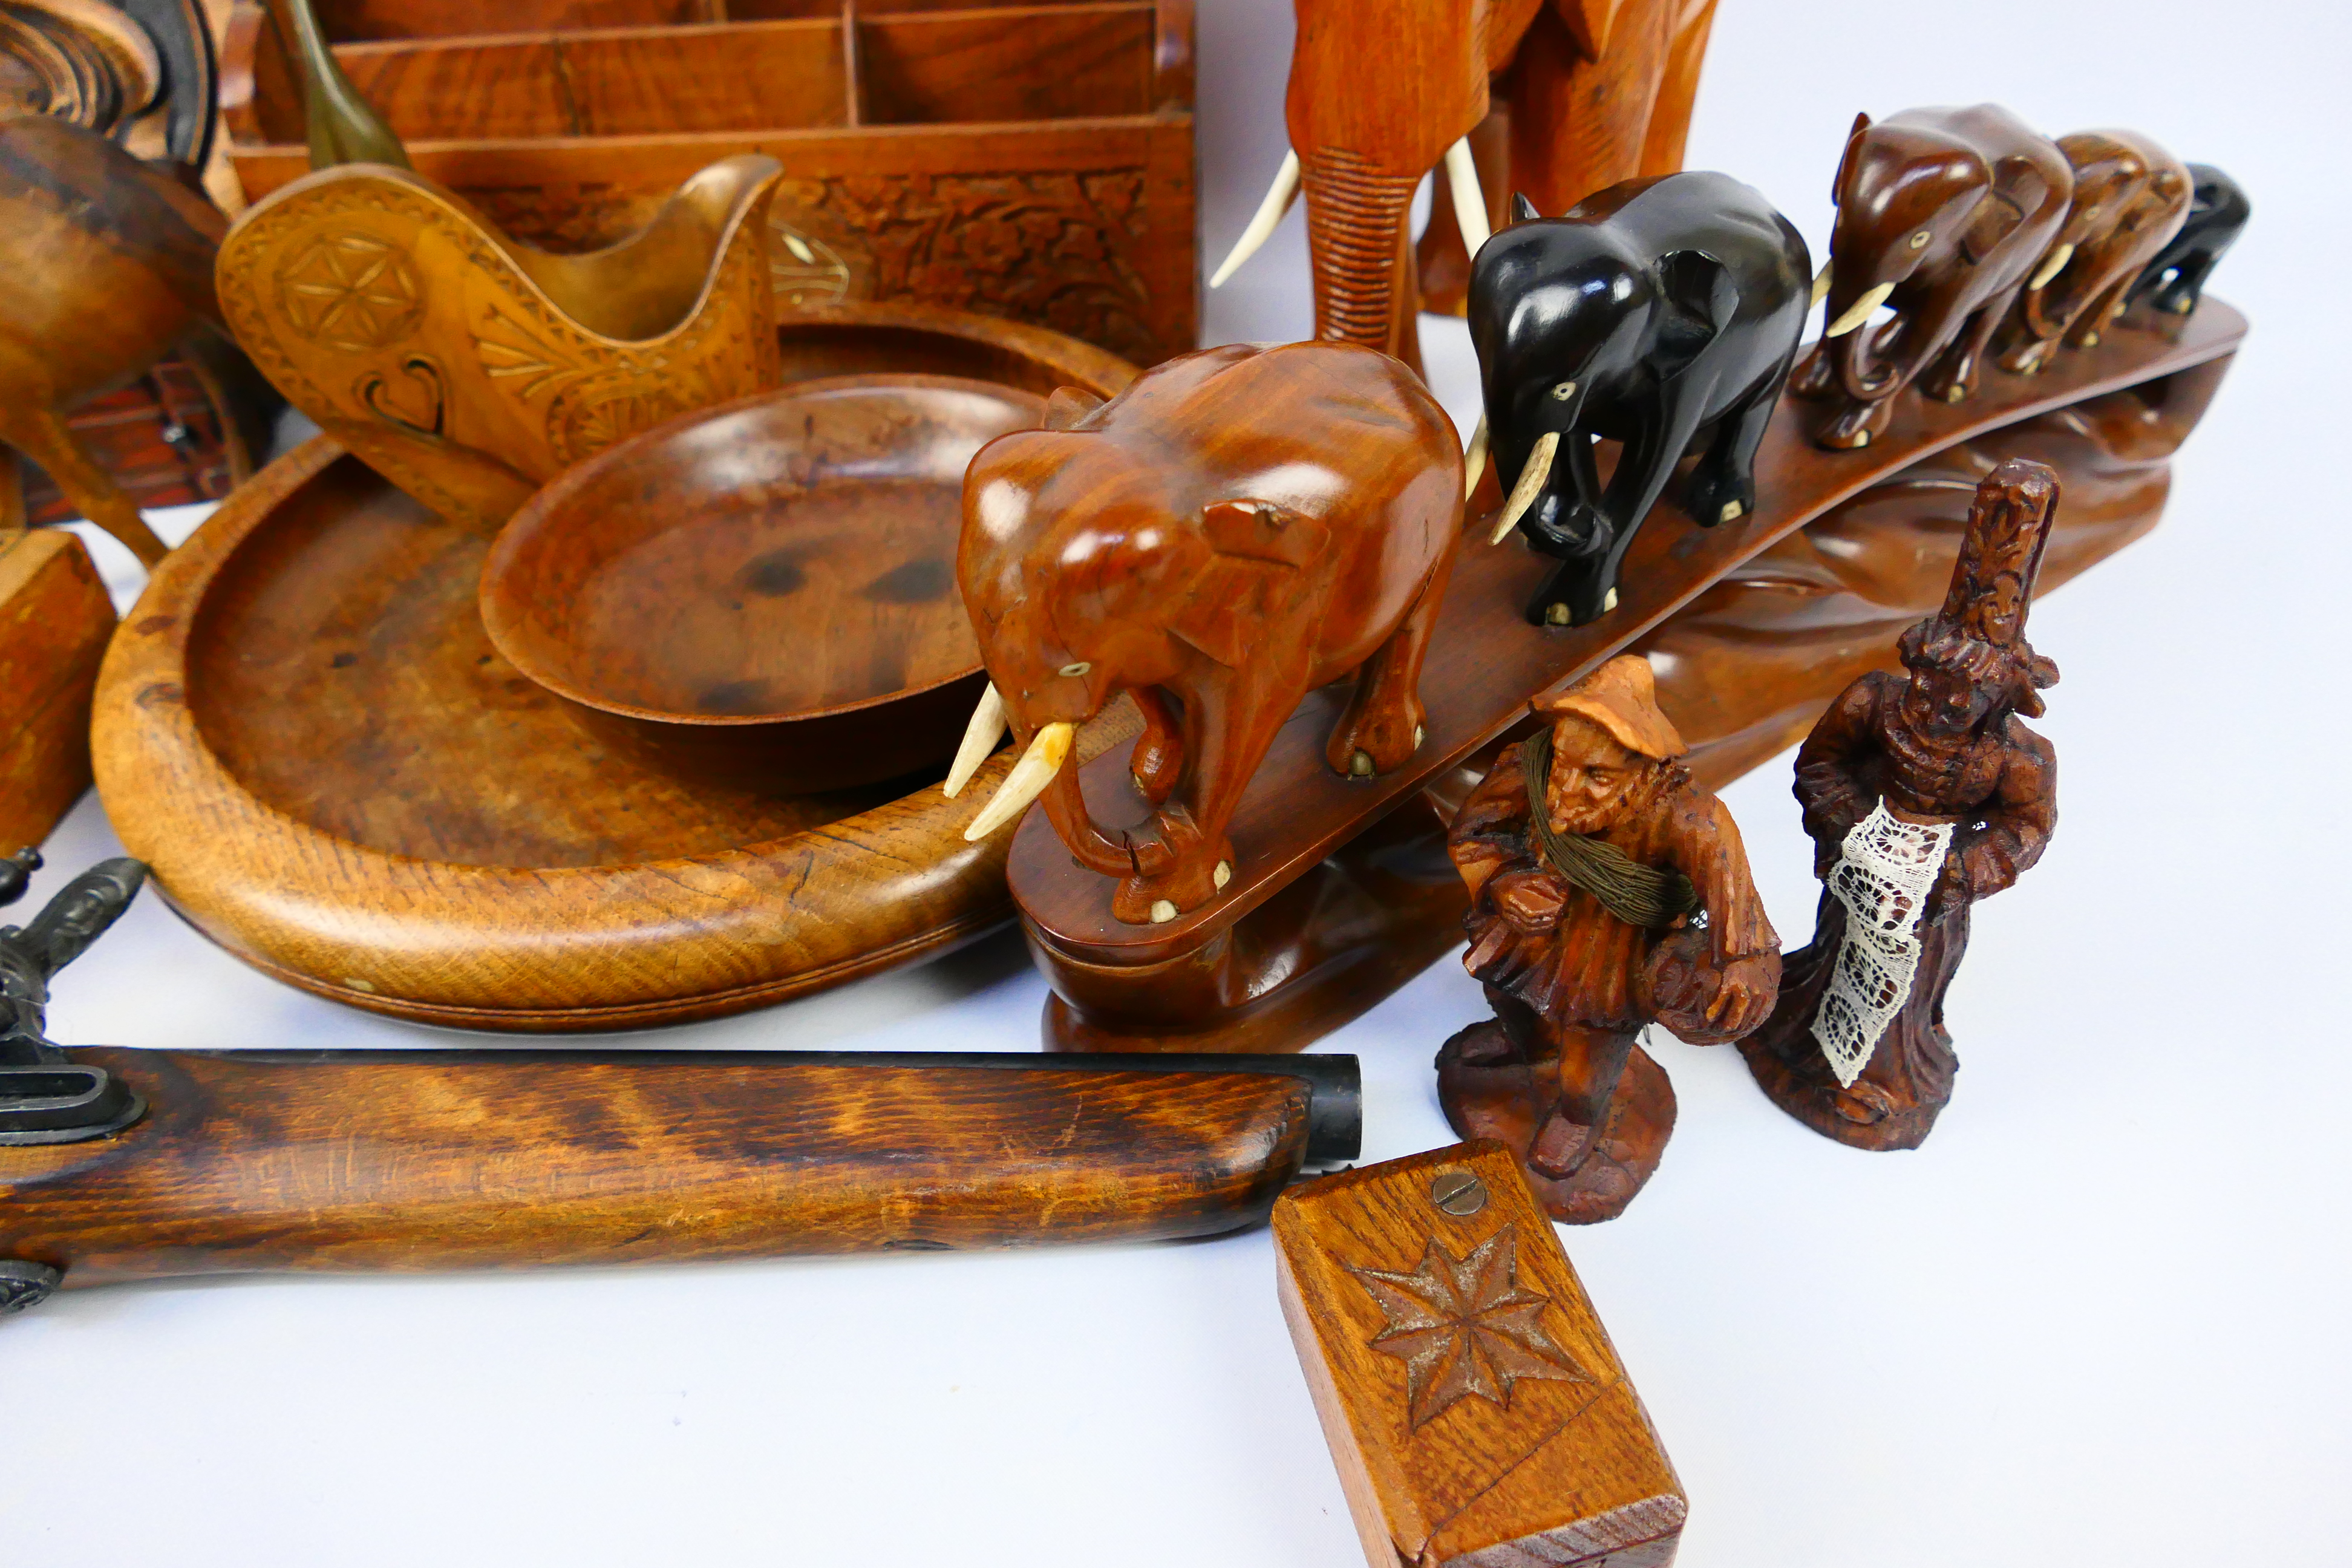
<point x="1882" y="879"/>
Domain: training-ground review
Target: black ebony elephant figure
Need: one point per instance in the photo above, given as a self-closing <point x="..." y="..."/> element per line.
<point x="1662" y="313"/>
<point x="2217" y="214"/>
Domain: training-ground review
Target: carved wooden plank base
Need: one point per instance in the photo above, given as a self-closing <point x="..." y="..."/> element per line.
<point x="1753" y="671"/>
<point x="1477" y="1411"/>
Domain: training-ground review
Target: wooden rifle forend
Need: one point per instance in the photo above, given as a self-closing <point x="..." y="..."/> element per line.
<point x="352" y="1160"/>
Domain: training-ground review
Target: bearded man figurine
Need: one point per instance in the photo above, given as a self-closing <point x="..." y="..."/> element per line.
<point x="1923" y="793"/>
<point x="1607" y="892"/>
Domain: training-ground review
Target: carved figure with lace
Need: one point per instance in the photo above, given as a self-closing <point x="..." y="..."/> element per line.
<point x="1923" y="793"/>
<point x="1608" y="890"/>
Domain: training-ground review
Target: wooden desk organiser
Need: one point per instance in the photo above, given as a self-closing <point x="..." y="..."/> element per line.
<point x="1477" y="1411"/>
<point x="305" y="732"/>
<point x="1027" y="161"/>
<point x="1341" y="889"/>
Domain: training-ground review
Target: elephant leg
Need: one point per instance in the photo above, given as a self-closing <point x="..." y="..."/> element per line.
<point x="1953" y="377"/>
<point x="1228" y="729"/>
<point x="1585" y="588"/>
<point x="1382" y="729"/>
<point x="41" y="434"/>
<point x="1579" y="125"/>
<point x="1359" y="237"/>
<point x="1723" y="484"/>
<point x="2103" y="310"/>
<point x="1158" y="758"/>
<point x="2182" y="291"/>
<point x="1670" y="116"/>
<point x="1816" y="373"/>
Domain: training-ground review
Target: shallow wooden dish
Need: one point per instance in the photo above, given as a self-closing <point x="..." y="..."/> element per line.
<point x="305" y="730"/>
<point x="761" y="597"/>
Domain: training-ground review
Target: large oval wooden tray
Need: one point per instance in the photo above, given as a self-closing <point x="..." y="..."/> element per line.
<point x="304" y="729"/>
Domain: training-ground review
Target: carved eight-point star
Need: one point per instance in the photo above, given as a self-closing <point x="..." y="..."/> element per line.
<point x="1463" y="1326"/>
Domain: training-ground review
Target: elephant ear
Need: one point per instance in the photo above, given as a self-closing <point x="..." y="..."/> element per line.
<point x="1997" y="217"/>
<point x="1069" y="407"/>
<point x="2018" y="189"/>
<point x="1257" y="550"/>
<point x="1696" y="300"/>
<point x="1845" y="164"/>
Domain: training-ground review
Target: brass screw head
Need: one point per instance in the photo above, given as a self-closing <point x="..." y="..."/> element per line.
<point x="1457" y="1193"/>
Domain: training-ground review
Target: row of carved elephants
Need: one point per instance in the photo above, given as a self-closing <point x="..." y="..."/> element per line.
<point x="1665" y="314"/>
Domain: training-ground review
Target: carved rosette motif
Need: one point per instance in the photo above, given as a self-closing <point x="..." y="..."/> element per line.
<point x="340" y="325"/>
<point x="1464" y="1326"/>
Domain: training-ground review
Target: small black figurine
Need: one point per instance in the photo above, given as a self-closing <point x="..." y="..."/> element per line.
<point x="2217" y="211"/>
<point x="1657" y="312"/>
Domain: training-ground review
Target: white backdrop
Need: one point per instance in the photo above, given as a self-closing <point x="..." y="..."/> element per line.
<point x="2098" y="1319"/>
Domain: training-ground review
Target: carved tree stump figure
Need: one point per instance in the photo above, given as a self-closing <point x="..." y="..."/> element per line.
<point x="1923" y="793"/>
<point x="1584" y="927"/>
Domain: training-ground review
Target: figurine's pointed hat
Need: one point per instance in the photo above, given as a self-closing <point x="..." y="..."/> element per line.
<point x="1981" y="628"/>
<point x="1621" y="697"/>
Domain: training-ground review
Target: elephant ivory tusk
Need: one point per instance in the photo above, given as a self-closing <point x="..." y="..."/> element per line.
<point x="1821" y="282"/>
<point x="1860" y="313"/>
<point x="1278" y="197"/>
<point x="980" y="737"/>
<point x="1469" y="200"/>
<point x="1474" y="459"/>
<point x="1530" y="485"/>
<point x="2051" y="265"/>
<point x="1026" y="783"/>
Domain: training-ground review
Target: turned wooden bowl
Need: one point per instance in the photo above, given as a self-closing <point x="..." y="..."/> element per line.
<point x="762" y="596"/>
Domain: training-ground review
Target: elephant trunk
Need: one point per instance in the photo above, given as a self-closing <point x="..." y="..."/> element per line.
<point x="1066" y="808"/>
<point x="1853" y="342"/>
<point x="1356" y="228"/>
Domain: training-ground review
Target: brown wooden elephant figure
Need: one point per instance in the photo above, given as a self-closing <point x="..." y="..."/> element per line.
<point x="1943" y="215"/>
<point x="1599" y="91"/>
<point x="2131" y="196"/>
<point x="108" y="264"/>
<point x="1238" y="527"/>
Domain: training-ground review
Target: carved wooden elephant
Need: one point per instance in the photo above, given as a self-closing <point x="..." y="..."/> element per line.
<point x="2218" y="210"/>
<point x="1238" y="527"/>
<point x="2131" y="197"/>
<point x="1600" y="91"/>
<point x="1942" y="213"/>
<point x="1655" y="312"/>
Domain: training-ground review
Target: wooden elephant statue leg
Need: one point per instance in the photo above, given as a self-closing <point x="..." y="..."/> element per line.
<point x="41" y="434"/>
<point x="1953" y="377"/>
<point x="1159" y="760"/>
<point x="1670" y="116"/>
<point x="1382" y="726"/>
<point x="1723" y="484"/>
<point x="1578" y="124"/>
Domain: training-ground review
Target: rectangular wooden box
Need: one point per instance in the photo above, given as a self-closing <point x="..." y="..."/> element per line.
<point x="55" y="620"/>
<point x="1478" y="1415"/>
<point x="1031" y="160"/>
